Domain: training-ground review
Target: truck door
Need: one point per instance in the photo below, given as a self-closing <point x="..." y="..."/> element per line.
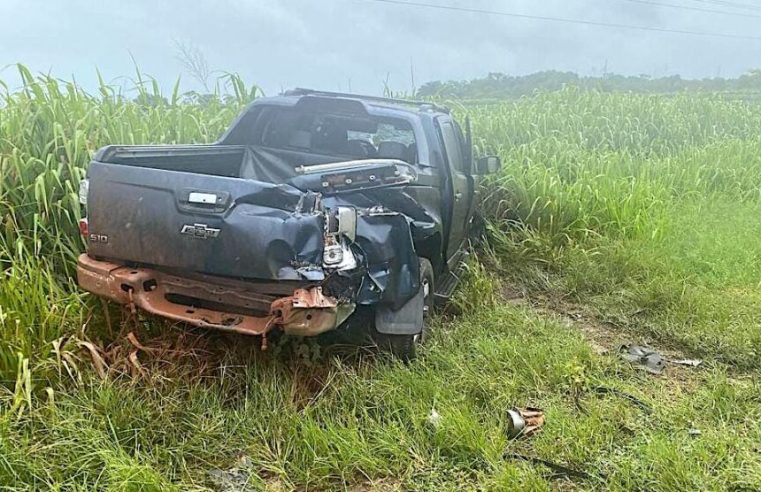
<point x="462" y="186"/>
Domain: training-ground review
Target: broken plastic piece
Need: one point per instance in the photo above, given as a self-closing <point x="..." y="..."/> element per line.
<point x="434" y="418"/>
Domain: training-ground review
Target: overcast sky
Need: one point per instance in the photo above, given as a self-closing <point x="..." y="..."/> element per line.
<point x="358" y="44"/>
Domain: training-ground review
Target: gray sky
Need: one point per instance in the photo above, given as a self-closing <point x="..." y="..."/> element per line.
<point x="357" y="44"/>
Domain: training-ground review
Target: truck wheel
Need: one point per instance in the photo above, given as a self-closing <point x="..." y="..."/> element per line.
<point x="403" y="347"/>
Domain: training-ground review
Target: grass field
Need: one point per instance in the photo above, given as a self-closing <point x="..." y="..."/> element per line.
<point x="617" y="218"/>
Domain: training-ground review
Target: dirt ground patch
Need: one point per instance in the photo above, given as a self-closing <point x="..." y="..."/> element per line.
<point x="605" y="338"/>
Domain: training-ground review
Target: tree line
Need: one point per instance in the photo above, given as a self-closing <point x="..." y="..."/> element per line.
<point x="500" y="85"/>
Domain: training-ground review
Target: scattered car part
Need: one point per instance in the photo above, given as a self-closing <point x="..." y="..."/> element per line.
<point x="235" y="479"/>
<point x="652" y="361"/>
<point x="524" y="421"/>
<point x="686" y="362"/>
<point x="602" y="390"/>
<point x="644" y="357"/>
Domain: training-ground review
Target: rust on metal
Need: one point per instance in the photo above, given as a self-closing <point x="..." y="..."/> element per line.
<point x="312" y="298"/>
<point x="307" y="312"/>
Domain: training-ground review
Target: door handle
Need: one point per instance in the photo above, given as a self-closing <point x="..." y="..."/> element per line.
<point x="457" y="196"/>
<point x="202" y="201"/>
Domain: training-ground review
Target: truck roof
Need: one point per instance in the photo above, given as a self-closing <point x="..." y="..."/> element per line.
<point x="404" y="105"/>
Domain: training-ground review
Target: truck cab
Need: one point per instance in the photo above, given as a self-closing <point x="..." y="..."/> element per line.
<point x="314" y="209"/>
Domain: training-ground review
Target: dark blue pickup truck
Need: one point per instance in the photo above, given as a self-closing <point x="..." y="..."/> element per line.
<point x="315" y="211"/>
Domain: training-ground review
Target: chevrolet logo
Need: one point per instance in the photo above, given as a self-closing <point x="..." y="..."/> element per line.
<point x="199" y="231"/>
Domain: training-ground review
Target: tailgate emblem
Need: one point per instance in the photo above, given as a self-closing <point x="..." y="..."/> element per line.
<point x="200" y="231"/>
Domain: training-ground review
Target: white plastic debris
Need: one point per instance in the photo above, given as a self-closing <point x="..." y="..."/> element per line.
<point x="434" y="418"/>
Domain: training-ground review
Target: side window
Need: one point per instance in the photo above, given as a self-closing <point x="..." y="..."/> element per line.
<point x="452" y="146"/>
<point x="467" y="159"/>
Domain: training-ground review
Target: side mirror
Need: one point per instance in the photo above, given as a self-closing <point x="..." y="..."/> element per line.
<point x="488" y="165"/>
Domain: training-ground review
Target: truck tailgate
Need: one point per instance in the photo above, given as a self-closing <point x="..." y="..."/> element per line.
<point x="215" y="225"/>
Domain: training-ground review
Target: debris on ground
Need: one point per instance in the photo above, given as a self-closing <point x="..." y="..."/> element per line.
<point x="434" y="418"/>
<point x="686" y="362"/>
<point x="235" y="479"/>
<point x="650" y="360"/>
<point x="644" y="357"/>
<point x="524" y="421"/>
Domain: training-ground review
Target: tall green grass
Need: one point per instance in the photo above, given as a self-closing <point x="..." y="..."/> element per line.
<point x="579" y="162"/>
<point x="598" y="190"/>
<point x="49" y="129"/>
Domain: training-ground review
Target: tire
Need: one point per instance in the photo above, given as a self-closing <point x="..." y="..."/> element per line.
<point x="403" y="347"/>
<point x="477" y="233"/>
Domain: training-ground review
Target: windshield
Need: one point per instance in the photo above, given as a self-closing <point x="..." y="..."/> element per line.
<point x="325" y="133"/>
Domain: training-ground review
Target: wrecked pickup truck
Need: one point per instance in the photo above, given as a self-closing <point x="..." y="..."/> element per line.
<point x="313" y="210"/>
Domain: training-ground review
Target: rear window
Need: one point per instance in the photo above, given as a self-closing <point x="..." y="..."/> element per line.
<point x="359" y="137"/>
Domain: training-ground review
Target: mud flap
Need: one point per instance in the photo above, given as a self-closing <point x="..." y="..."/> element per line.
<point x="407" y="320"/>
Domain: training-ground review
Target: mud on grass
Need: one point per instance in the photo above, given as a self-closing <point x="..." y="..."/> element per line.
<point x="300" y="419"/>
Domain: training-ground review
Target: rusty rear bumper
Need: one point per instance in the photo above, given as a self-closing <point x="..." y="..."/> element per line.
<point x="306" y="312"/>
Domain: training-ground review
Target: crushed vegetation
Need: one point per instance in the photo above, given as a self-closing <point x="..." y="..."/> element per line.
<point x="618" y="219"/>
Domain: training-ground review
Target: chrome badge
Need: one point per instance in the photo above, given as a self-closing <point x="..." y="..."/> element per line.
<point x="199" y="231"/>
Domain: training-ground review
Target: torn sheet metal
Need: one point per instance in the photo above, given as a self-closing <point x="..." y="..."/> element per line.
<point x="309" y="312"/>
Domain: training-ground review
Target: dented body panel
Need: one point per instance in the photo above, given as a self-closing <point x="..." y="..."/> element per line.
<point x="143" y="212"/>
